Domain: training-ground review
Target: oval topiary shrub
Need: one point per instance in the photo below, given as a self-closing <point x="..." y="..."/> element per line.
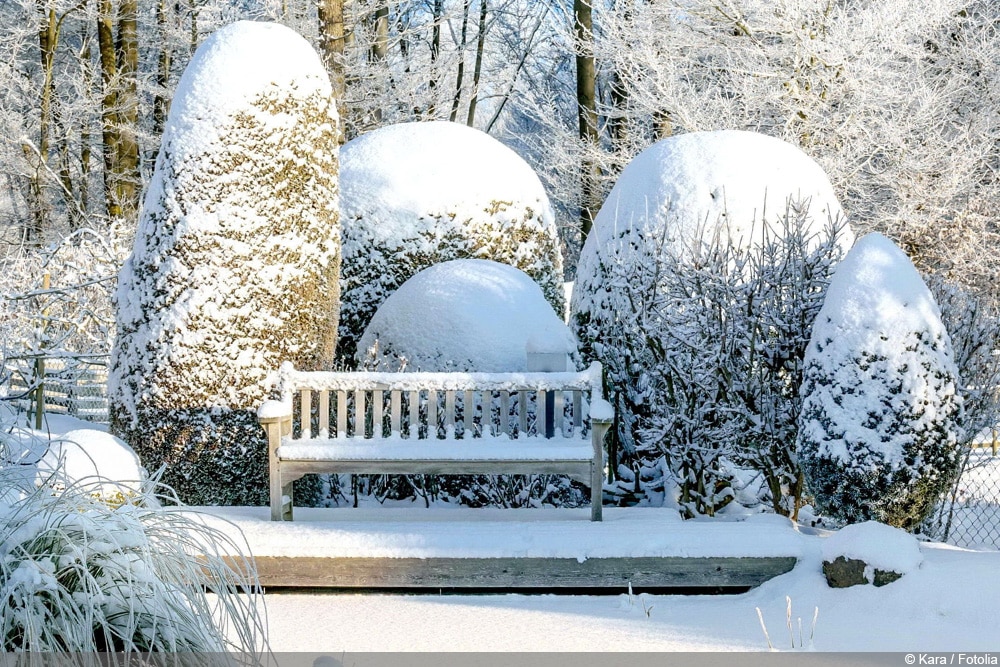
<point x="878" y="429"/>
<point x="235" y="264"/>
<point x="416" y="194"/>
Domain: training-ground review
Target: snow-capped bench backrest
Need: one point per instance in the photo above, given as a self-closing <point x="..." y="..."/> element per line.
<point x="375" y="405"/>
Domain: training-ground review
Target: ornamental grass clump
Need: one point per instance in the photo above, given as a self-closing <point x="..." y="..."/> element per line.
<point x="78" y="574"/>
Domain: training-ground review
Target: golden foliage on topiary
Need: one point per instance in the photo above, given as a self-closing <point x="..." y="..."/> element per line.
<point x="235" y="264"/>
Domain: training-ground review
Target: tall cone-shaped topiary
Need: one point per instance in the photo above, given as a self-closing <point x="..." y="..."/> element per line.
<point x="879" y="424"/>
<point x="235" y="265"/>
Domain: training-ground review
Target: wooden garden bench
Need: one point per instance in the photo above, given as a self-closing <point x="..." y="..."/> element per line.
<point x="435" y="424"/>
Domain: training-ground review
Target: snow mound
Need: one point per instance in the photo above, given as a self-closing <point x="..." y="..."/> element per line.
<point x="466" y="315"/>
<point x="417" y="194"/>
<point x="878" y="545"/>
<point x="84" y="454"/>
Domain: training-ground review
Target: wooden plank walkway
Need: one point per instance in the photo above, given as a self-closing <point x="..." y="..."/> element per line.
<point x="491" y="550"/>
<point x="652" y="572"/>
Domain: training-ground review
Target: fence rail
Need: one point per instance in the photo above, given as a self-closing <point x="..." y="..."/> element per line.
<point x="70" y="386"/>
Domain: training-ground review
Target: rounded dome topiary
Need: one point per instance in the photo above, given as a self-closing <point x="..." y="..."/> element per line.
<point x="465" y="315"/>
<point x="417" y="194"/>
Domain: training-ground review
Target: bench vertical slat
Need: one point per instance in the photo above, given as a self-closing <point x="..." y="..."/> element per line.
<point x="414" y="430"/>
<point x="341" y="414"/>
<point x="522" y="413"/>
<point x="470" y="413"/>
<point x="505" y="412"/>
<point x="306" y="413"/>
<point x="432" y="412"/>
<point x="577" y="411"/>
<point x="395" y="410"/>
<point x="542" y="421"/>
<point x="449" y="414"/>
<point x="378" y="409"/>
<point x="359" y="413"/>
<point x="557" y="414"/>
<point x="324" y="414"/>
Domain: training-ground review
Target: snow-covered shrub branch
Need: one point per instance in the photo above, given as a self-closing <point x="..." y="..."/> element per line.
<point x="59" y="300"/>
<point x="705" y="359"/>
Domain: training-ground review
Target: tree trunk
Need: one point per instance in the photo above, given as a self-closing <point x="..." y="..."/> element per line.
<point x="127" y="47"/>
<point x="457" y="99"/>
<point x="109" y="102"/>
<point x="586" y="86"/>
<point x="618" y="90"/>
<point x="48" y="40"/>
<point x="477" y="69"/>
<point x="161" y="101"/>
<point x="380" y="45"/>
<point x="193" y="35"/>
<point x="331" y="46"/>
<point x="617" y="123"/>
<point x="435" y="55"/>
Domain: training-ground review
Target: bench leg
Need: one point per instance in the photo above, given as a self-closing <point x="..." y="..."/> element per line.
<point x="599" y="429"/>
<point x="596" y="495"/>
<point x="280" y="511"/>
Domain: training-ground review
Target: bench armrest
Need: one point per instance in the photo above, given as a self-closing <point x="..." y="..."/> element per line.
<point x="601" y="411"/>
<point x="272" y="411"/>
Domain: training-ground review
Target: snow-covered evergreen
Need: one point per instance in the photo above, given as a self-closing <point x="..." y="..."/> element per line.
<point x="879" y="428"/>
<point x="235" y="264"/>
<point x="465" y="315"/>
<point x="416" y="194"/>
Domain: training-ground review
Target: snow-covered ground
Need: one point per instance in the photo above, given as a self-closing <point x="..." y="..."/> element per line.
<point x="948" y="600"/>
<point x="950" y="603"/>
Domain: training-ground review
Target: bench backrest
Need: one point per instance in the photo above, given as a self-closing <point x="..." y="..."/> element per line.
<point x="438" y="405"/>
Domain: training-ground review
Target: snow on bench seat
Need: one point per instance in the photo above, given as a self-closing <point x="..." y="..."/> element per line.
<point x="435" y="423"/>
<point x="396" y="448"/>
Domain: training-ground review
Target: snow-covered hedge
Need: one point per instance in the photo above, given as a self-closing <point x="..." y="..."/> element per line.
<point x="465" y="315"/>
<point x="878" y="429"/>
<point x="696" y="289"/>
<point x="416" y="194"/>
<point x="235" y="264"/>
